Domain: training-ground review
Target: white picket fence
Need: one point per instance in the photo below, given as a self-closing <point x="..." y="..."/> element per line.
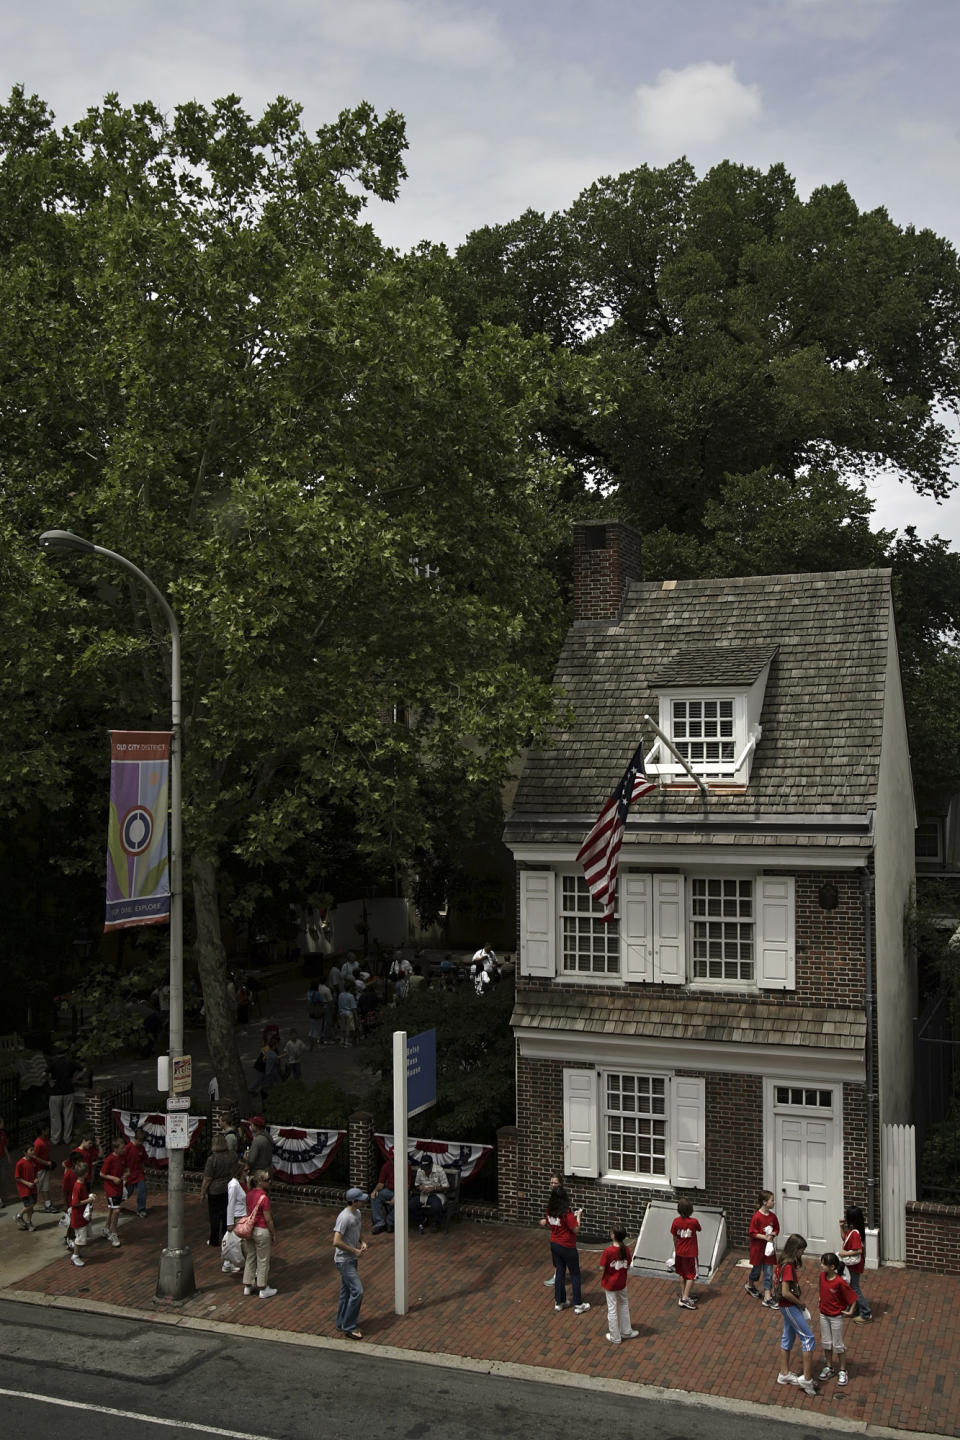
<point x="898" y="1150"/>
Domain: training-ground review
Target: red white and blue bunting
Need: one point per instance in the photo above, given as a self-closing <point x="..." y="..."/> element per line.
<point x="300" y="1156"/>
<point x="468" y="1159"/>
<point x="154" y="1128"/>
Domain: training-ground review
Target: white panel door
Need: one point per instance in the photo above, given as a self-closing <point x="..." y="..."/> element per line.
<point x="810" y="1194"/>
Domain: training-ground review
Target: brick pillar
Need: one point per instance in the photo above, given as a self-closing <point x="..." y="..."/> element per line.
<point x="508" y="1150"/>
<point x="362" y="1164"/>
<point x="99" y="1119"/>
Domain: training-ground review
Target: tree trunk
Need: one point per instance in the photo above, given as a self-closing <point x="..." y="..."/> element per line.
<point x="212" y="964"/>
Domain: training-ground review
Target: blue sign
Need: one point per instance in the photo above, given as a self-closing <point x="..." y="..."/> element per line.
<point x="421" y="1072"/>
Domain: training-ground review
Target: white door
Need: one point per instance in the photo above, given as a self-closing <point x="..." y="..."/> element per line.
<point x="809" y="1179"/>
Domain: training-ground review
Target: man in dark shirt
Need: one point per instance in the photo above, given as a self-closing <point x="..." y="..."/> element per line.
<point x="63" y="1073"/>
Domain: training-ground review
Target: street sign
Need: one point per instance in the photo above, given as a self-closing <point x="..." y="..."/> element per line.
<point x="178" y="1131"/>
<point x="421" y="1072"/>
<point x="182" y="1074"/>
<point x="178" y="1102"/>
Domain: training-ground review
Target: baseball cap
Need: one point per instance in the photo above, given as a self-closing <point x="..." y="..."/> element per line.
<point x="355" y="1196"/>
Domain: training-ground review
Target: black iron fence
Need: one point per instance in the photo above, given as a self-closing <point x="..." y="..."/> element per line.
<point x="937" y="1108"/>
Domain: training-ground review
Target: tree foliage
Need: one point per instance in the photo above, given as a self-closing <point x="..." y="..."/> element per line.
<point x="212" y="367"/>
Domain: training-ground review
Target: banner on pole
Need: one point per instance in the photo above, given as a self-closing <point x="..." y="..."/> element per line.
<point x="138" y="871"/>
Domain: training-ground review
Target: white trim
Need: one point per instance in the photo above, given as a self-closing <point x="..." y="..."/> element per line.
<point x="672" y="857"/>
<point x="647" y="1053"/>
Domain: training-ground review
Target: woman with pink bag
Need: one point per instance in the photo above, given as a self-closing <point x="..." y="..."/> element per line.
<point x="256" y="1237"/>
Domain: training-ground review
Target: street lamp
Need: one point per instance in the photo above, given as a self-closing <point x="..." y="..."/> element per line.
<point x="175" y="1280"/>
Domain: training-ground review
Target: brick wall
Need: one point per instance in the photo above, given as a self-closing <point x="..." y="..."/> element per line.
<point x="734" y="1121"/>
<point x="933" y="1237"/>
<point x="854" y="1150"/>
<point x="830" y="952"/>
<point x="605" y="557"/>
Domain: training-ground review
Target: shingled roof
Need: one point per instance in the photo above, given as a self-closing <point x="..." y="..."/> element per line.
<point x="815" y="771"/>
<point x="711" y="1019"/>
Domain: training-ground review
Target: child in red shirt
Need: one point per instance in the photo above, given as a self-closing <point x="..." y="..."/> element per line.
<point x="837" y="1299"/>
<point x="763" y="1229"/>
<point x="112" y="1172"/>
<point x="41" y="1151"/>
<point x="134" y="1159"/>
<point x="77" y="1233"/>
<point x="853" y="1254"/>
<point x="89" y="1152"/>
<point x="66" y="1188"/>
<point x="25" y="1174"/>
<point x="685" y="1251"/>
<point x="614" y="1264"/>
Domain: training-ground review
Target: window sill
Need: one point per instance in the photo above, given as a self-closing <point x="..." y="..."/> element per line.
<point x="636" y="1182"/>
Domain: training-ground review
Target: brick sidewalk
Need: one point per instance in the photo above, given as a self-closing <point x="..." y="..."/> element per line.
<point x="479" y="1293"/>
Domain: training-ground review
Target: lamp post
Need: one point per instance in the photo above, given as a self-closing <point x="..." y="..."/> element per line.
<point x="175" y="1280"/>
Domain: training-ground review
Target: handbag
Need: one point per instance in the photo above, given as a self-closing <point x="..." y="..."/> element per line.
<point x="244" y="1226"/>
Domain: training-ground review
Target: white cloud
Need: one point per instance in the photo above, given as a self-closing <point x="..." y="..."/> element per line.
<point x="701" y="103"/>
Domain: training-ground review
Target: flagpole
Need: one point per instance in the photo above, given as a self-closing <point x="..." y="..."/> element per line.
<point x="676" y="754"/>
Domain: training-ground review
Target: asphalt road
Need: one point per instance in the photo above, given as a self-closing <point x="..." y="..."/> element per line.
<point x="97" y="1377"/>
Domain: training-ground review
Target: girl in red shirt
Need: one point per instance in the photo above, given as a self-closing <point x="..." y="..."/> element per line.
<point x="836" y="1300"/>
<point x="853" y="1228"/>
<point x="77" y="1233"/>
<point x="563" y="1224"/>
<point x="795" y="1317"/>
<point x="614" y="1264"/>
<point x="763" y="1231"/>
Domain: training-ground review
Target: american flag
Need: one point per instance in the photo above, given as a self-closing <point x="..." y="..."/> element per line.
<point x="600" y="851"/>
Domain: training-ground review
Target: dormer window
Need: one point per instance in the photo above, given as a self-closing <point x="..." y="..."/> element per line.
<point x="710" y="704"/>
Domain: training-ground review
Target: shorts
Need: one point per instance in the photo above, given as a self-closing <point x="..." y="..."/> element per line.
<point x="686" y="1267"/>
<point x="114" y="1202"/>
<point x="831" y="1333"/>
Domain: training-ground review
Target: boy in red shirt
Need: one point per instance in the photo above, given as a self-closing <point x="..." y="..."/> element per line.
<point x="112" y="1172"/>
<point x="685" y="1250"/>
<point x="89" y="1152"/>
<point x="25" y="1174"/>
<point x="41" y="1152"/>
<point x="77" y="1234"/>
<point x="66" y="1188"/>
<point x="134" y="1159"/>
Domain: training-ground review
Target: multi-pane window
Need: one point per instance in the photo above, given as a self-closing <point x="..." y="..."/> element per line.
<point x="800" y="1095"/>
<point x="723" y="929"/>
<point x="703" y="733"/>
<point x="635" y="1123"/>
<point x="590" y="946"/>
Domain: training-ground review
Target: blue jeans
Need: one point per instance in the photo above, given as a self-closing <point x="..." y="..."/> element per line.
<point x="351" y="1294"/>
<point x="141" y="1188"/>
<point x="767" y="1271"/>
<point x="565" y="1257"/>
<point x="382" y="1212"/>
<point x="796" y="1326"/>
<point x="863" y="1302"/>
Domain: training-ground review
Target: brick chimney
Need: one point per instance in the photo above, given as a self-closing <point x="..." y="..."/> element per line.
<point x="606" y="555"/>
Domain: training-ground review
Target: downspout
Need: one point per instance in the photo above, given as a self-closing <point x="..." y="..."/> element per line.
<point x="866" y="891"/>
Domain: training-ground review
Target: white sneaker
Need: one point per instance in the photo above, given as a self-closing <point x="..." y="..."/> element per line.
<point x="77" y="1261"/>
<point x="114" y="1240"/>
<point x="579" y="1309"/>
<point x="807" y="1386"/>
<point x="609" y="1337"/>
<point x="630" y="1334"/>
<point x="229" y="1269"/>
<point x="788" y="1379"/>
<point x="266" y="1292"/>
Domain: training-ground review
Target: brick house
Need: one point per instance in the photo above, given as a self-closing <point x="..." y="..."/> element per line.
<point x="746" y="1018"/>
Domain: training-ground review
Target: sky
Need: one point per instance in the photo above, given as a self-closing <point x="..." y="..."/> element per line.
<point x="519" y="104"/>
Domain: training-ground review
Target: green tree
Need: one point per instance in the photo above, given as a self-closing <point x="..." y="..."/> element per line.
<point x="211" y="366"/>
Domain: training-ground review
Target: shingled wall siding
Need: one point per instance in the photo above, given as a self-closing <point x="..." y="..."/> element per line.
<point x="830" y="958"/>
<point x="734" y="1162"/>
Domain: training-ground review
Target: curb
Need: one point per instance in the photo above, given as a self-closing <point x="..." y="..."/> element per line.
<point x="507" y="1369"/>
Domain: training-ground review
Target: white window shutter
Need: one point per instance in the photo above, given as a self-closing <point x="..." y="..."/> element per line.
<point x="580" y="1123"/>
<point x="688" y="1129"/>
<point x="636" y="925"/>
<point x="776" y="932"/>
<point x="538" y="922"/>
<point x="670" y="925"/>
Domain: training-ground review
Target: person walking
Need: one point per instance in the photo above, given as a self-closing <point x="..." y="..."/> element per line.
<point x="81" y="1201"/>
<point x="348" y="1246"/>
<point x="686" y="1252"/>
<point x="25" y="1174"/>
<point x="796" y="1319"/>
<point x="853" y="1253"/>
<point x="134" y="1160"/>
<point x="563" y="1224"/>
<point x="614" y="1264"/>
<point x="111" y="1174"/>
<point x="837" y="1299"/>
<point x="257" y="1250"/>
<point x="217" y="1174"/>
<point x="230" y="1247"/>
